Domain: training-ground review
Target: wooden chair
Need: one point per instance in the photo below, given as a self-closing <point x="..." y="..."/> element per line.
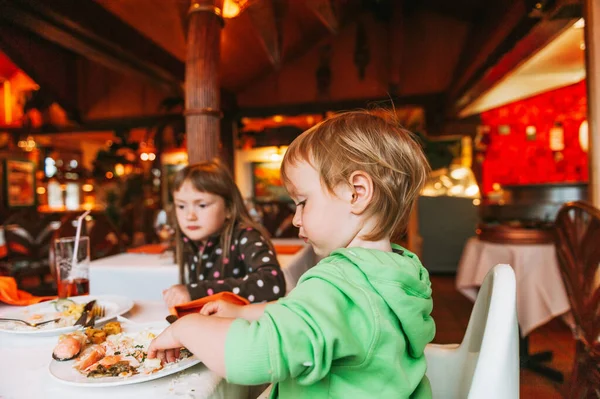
<point x="578" y="252"/>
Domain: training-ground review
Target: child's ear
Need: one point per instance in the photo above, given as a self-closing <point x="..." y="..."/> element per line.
<point x="362" y="192"/>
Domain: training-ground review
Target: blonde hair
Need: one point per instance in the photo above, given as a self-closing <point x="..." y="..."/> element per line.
<point x="213" y="177"/>
<point x="360" y="140"/>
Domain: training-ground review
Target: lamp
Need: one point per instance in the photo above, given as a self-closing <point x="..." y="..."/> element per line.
<point x="233" y="8"/>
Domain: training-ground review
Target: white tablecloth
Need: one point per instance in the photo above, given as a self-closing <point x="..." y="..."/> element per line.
<point x="144" y="277"/>
<point x="25" y="359"/>
<point x="541" y="295"/>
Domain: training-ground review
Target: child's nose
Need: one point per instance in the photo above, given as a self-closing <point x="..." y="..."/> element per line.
<point x="190" y="215"/>
<point x="297" y="220"/>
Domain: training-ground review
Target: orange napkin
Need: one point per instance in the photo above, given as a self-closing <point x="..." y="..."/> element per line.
<point x="196" y="305"/>
<point x="10" y="294"/>
<point x="153" y="249"/>
<point x="288" y="249"/>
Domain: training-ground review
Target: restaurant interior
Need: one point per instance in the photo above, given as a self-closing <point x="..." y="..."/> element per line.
<point x="103" y="101"/>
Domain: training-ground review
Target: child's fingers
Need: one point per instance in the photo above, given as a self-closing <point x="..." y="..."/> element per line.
<point x="209" y="308"/>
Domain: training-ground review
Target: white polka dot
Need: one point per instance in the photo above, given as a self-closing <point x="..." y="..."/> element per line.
<point x="193" y="285"/>
<point x="249" y="269"/>
<point x="236" y="271"/>
<point x="195" y="259"/>
<point x="275" y="289"/>
<point x="270" y="252"/>
<point x="205" y="256"/>
<point x="218" y="251"/>
<point x="258" y="244"/>
<point x="251" y="298"/>
<point x="209" y="265"/>
<point x="260" y="283"/>
<point x="236" y="242"/>
<point x="246" y="277"/>
<point x="236" y="290"/>
<point x="266" y="259"/>
<point x="244" y="240"/>
<point x="201" y="277"/>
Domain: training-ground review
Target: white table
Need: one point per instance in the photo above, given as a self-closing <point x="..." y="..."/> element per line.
<point x="541" y="294"/>
<point x="144" y="277"/>
<point x="25" y="359"/>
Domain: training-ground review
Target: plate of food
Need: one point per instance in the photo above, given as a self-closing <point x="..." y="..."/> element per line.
<point x="66" y="311"/>
<point x="112" y="355"/>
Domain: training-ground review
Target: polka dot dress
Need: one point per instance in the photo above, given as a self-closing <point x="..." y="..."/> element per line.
<point x="249" y="268"/>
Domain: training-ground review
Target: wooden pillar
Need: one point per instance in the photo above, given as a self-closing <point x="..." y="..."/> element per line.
<point x="202" y="101"/>
<point x="592" y="63"/>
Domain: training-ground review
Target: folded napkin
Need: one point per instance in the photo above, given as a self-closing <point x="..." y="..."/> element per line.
<point x="197" y="305"/>
<point x="153" y="249"/>
<point x="287" y="249"/>
<point x="10" y="294"/>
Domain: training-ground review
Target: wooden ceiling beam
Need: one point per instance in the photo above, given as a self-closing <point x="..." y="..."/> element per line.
<point x="86" y="28"/>
<point x="267" y="20"/>
<point x="325" y="11"/>
<point x="522" y="31"/>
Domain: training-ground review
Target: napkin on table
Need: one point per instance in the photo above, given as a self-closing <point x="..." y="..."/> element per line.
<point x="10" y="294"/>
<point x="196" y="305"/>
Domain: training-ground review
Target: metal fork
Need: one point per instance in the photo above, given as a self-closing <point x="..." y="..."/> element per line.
<point x="98" y="311"/>
<point x="41" y="323"/>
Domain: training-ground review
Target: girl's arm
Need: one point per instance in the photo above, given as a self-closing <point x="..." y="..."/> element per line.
<point x="203" y="336"/>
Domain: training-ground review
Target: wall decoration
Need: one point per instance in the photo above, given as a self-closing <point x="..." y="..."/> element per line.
<point x="514" y="160"/>
<point x="557" y="137"/>
<point x="267" y="183"/>
<point x="530" y="132"/>
<point x="584" y="136"/>
<point x="20" y="183"/>
<point x="504" y="130"/>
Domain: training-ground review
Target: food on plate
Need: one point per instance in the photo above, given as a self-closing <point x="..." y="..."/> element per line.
<point x="108" y="352"/>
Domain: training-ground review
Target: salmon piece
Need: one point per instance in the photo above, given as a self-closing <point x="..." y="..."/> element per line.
<point x="90" y="356"/>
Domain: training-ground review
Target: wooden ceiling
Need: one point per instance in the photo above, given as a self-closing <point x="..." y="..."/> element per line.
<point x="419" y="49"/>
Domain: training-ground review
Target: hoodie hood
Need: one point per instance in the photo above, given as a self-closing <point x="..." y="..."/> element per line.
<point x="403" y="283"/>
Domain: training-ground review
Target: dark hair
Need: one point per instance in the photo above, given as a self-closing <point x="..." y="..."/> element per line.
<point x="214" y="177"/>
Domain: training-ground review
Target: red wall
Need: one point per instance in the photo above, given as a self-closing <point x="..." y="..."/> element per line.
<point x="512" y="159"/>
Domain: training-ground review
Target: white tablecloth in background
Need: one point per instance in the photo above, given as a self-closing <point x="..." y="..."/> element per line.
<point x="144" y="277"/>
<point x="25" y="359"/>
<point x="541" y="294"/>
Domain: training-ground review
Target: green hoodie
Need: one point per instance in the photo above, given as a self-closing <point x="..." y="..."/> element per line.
<point x="355" y="326"/>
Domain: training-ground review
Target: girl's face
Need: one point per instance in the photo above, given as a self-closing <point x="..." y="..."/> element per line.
<point x="200" y="214"/>
<point x="325" y="220"/>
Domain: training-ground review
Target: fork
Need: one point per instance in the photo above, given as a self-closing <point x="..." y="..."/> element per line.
<point x="41" y="323"/>
<point x="98" y="311"/>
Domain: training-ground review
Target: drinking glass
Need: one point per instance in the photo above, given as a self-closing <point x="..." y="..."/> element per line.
<point x="72" y="272"/>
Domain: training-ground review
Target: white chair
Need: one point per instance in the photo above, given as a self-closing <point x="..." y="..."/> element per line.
<point x="486" y="363"/>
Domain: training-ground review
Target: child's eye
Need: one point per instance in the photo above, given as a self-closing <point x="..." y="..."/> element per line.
<point x="179" y="206"/>
<point x="202" y="205"/>
<point x="301" y="203"/>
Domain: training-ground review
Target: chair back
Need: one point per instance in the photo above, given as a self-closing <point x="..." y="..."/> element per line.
<point x="578" y="251"/>
<point x="486" y="363"/>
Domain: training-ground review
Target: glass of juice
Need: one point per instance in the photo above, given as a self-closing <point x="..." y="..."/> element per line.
<point x="72" y="272"/>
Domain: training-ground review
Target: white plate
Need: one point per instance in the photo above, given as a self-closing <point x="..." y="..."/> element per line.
<point x="66" y="374"/>
<point x="114" y="305"/>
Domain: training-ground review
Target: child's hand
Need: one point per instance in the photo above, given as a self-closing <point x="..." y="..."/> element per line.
<point x="221" y="309"/>
<point x="176" y="295"/>
<point x="165" y="347"/>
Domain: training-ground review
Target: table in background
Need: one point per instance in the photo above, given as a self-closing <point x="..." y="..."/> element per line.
<point x="145" y="276"/>
<point x="541" y="294"/>
<point x="25" y="359"/>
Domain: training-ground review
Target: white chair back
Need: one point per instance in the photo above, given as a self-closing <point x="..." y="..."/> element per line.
<point x="486" y="363"/>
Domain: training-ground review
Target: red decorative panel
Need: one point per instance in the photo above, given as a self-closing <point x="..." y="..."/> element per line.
<point x="513" y="158"/>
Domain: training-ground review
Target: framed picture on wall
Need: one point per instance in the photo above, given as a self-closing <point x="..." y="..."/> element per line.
<point x="267" y="183"/>
<point x="19" y="178"/>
